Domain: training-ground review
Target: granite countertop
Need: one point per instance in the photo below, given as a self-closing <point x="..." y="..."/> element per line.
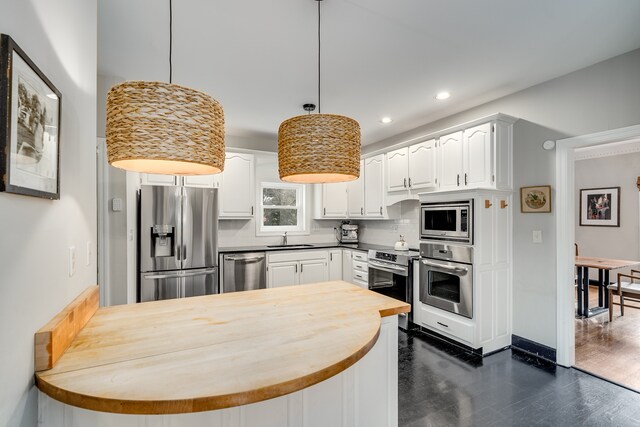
<point x="307" y="246"/>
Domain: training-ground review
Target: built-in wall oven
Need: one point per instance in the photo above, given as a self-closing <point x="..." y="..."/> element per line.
<point x="447" y="221"/>
<point x="446" y="277"/>
<point x="390" y="274"/>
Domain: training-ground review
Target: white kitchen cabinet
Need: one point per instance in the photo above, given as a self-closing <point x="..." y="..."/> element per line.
<point x="334" y="200"/>
<point x="237" y="186"/>
<point x="451" y="161"/>
<point x="422" y="165"/>
<point x="282" y="274"/>
<point x="203" y="181"/>
<point x="335" y="264"/>
<point x="355" y="195"/>
<point x="313" y="271"/>
<point x="360" y="269"/>
<point x="347" y="266"/>
<point x="297" y="267"/>
<point x="374" y="206"/>
<point x="157" y="179"/>
<point x="397" y="169"/>
<point x="477" y="151"/>
<point x="412" y="168"/>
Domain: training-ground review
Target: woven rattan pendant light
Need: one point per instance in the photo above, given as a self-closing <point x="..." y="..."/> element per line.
<point x="318" y="148"/>
<point x="164" y="128"/>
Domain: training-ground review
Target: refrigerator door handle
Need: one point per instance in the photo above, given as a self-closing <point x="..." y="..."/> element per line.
<point x="203" y="272"/>
<point x="187" y="228"/>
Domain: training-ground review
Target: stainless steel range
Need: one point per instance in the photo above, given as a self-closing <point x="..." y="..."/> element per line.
<point x="390" y="274"/>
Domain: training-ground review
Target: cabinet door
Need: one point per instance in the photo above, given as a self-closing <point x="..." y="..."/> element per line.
<point x="237" y="186"/>
<point x="478" y="158"/>
<point x="450" y="152"/>
<point x="374" y="186"/>
<point x="204" y="181"/>
<point x="502" y="233"/>
<point x="397" y="169"/>
<point x="313" y="271"/>
<point x="355" y="191"/>
<point x="282" y="274"/>
<point x="334" y="200"/>
<point x="422" y="165"/>
<point x="157" y="179"/>
<point x="347" y="266"/>
<point x="335" y="264"/>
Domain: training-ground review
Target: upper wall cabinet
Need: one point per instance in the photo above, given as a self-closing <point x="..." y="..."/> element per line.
<point x="374" y="206"/>
<point x="355" y="193"/>
<point x="412" y="168"/>
<point x="237" y="186"/>
<point x="476" y="155"/>
<point x="334" y="200"/>
<point x="157" y="179"/>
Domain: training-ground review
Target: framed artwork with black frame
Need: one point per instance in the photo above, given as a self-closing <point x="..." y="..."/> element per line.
<point x="29" y="126"/>
<point x="600" y="207"/>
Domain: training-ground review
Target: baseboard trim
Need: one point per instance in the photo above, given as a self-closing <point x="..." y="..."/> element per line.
<point x="533" y="348"/>
<point x="434" y="334"/>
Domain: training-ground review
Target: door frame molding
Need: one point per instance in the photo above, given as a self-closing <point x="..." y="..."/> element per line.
<point x="102" y="183"/>
<point x="565" y="231"/>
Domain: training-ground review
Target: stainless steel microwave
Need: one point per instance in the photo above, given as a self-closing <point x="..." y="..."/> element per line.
<point x="450" y="221"/>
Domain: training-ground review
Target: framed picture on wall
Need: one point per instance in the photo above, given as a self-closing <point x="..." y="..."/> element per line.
<point x="29" y="126"/>
<point x="600" y="207"/>
<point x="535" y="199"/>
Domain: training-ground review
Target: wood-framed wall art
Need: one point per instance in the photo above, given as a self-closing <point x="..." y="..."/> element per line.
<point x="29" y="126"/>
<point x="535" y="199"/>
<point x="600" y="207"/>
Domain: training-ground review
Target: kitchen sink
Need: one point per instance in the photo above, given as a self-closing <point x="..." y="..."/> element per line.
<point x="290" y="246"/>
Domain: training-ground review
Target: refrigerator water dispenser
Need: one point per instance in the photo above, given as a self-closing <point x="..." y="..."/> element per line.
<point x="162" y="237"/>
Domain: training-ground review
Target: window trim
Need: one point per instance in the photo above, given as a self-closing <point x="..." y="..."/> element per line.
<point x="301" y="206"/>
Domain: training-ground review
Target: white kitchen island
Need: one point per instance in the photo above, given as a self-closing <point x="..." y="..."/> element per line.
<point x="316" y="355"/>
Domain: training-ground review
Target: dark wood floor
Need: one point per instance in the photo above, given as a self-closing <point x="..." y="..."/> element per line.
<point x="443" y="385"/>
<point x="610" y="350"/>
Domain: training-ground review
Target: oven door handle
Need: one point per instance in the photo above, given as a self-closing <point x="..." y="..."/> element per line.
<point x="446" y="267"/>
<point x="388" y="268"/>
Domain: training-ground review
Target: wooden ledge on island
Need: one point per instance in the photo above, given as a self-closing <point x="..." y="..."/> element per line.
<point x="216" y="351"/>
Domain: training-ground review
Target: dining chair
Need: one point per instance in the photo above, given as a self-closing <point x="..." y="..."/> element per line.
<point x="624" y="289"/>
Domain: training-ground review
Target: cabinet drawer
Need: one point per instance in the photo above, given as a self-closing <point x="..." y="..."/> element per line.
<point x="363" y="284"/>
<point x="359" y="275"/>
<point x="446" y="325"/>
<point x="360" y="256"/>
<point x="360" y="266"/>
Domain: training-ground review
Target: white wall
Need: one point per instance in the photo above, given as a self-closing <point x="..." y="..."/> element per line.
<point x="387" y="232"/>
<point x="600" y="97"/>
<point x="60" y="37"/>
<point x="610" y="242"/>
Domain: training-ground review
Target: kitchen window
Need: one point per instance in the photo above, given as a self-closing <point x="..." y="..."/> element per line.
<point x="282" y="207"/>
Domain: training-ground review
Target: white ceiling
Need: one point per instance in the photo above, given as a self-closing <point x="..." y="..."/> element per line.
<point x="379" y="57"/>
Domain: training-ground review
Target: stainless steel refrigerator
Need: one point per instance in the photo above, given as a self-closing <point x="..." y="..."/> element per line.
<point x="178" y="242"/>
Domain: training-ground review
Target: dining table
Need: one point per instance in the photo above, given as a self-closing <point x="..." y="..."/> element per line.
<point x="604" y="267"/>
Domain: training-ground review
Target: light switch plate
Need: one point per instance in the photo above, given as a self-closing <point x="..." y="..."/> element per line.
<point x="537" y="236"/>
<point x="72" y="260"/>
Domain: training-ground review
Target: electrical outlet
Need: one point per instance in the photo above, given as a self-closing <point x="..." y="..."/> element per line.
<point x="537" y="236"/>
<point x="394" y="227"/>
<point x="72" y="260"/>
<point x="88" y="260"/>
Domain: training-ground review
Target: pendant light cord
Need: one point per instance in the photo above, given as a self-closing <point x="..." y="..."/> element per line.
<point x="319" y="103"/>
<point x="170" y="41"/>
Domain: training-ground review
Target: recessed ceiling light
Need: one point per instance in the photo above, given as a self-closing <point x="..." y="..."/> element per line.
<point x="442" y="95"/>
<point x="386" y="120"/>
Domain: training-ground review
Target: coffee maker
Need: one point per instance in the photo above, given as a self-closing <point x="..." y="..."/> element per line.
<point x="348" y="233"/>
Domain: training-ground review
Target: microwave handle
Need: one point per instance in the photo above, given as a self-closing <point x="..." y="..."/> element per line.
<point x="446" y="267"/>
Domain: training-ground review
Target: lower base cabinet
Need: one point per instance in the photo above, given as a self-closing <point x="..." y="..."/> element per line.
<point x="297" y="268"/>
<point x="366" y="394"/>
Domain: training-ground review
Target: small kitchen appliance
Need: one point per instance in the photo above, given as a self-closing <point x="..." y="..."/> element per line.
<point x="348" y="233"/>
<point x="450" y="221"/>
<point x="401" y="245"/>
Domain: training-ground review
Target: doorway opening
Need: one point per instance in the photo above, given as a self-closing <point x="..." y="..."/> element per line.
<point x="598" y="236"/>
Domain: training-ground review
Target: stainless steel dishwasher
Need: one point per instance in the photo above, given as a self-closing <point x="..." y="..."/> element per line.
<point x="244" y="272"/>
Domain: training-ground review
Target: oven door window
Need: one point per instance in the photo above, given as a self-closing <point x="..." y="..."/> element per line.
<point x="440" y="220"/>
<point x="389" y="284"/>
<point x="445" y="286"/>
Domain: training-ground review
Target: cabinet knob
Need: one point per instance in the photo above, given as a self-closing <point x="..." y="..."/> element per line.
<point x="458" y="180"/>
<point x="465" y="179"/>
<point x="380" y="210"/>
<point x="405" y="183"/>
<point x="487" y="204"/>
<point x="409" y="182"/>
<point x="503" y="204"/>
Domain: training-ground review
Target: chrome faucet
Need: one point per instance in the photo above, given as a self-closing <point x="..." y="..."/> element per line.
<point x="284" y="239"/>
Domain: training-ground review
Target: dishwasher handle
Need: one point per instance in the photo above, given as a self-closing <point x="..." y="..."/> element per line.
<point x="244" y="259"/>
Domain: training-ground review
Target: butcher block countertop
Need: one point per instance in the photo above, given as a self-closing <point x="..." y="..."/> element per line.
<point x="217" y="351"/>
